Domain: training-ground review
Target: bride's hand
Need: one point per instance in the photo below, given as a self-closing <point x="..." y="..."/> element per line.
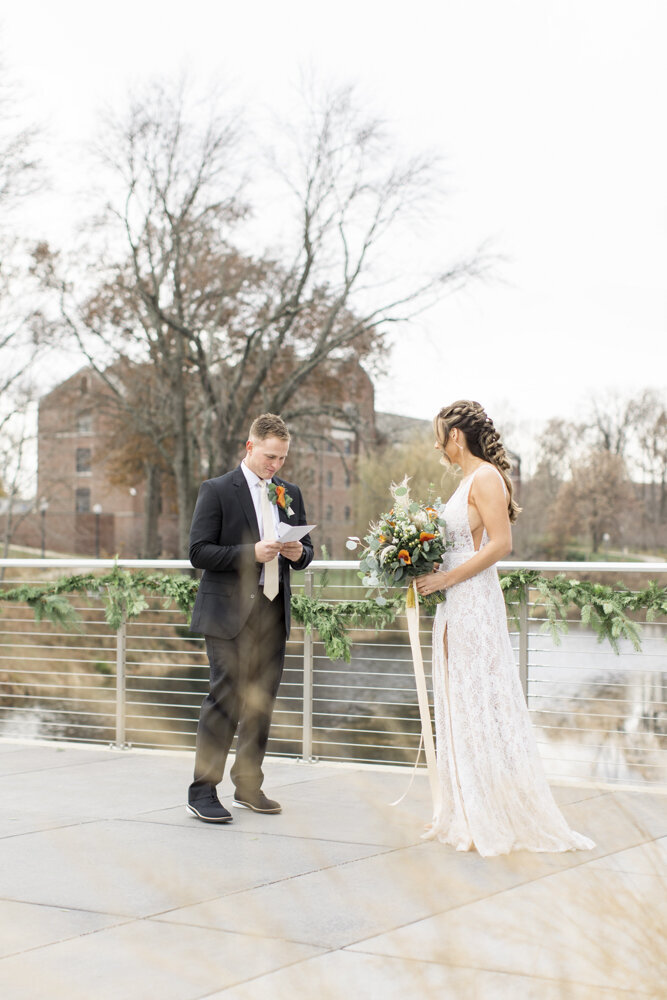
<point x="431" y="582"/>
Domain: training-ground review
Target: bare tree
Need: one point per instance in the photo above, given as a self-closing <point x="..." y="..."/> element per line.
<point x="250" y="331"/>
<point x="611" y="422"/>
<point x="648" y="416"/>
<point x="141" y="445"/>
<point x="635" y="428"/>
<point x="16" y="444"/>
<point x="21" y="325"/>
<point x="559" y="448"/>
<point x="598" y="500"/>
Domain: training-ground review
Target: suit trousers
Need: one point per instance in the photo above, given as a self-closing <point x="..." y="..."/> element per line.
<point x="244" y="679"/>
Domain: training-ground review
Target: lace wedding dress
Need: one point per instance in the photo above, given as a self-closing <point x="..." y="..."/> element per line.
<point x="495" y="796"/>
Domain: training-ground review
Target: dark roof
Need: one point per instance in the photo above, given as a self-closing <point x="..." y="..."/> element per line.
<point x="394" y="426"/>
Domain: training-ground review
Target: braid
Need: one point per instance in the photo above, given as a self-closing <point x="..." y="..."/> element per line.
<point x="482" y="439"/>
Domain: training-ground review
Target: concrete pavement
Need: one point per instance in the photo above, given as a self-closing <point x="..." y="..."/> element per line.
<point x="108" y="890"/>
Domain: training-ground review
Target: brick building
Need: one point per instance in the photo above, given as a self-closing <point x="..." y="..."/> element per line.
<point x="323" y="460"/>
<point x="79" y="510"/>
<point x="86" y="514"/>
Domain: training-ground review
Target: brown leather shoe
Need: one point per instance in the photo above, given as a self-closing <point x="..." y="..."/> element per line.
<point x="257" y="801"/>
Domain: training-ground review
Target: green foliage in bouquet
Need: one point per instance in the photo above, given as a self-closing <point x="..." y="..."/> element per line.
<point x="405" y="542"/>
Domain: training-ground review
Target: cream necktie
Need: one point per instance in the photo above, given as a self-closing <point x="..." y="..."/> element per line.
<point x="269" y="527"/>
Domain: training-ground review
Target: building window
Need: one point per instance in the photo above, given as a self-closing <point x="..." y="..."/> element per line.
<point x="83" y="459"/>
<point x="84" y="423"/>
<point x="83" y="501"/>
<point x="84" y="383"/>
<point x="329" y="478"/>
<point x="329" y="513"/>
<point x="348" y="513"/>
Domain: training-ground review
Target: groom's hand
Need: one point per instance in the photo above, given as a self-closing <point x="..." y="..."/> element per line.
<point x="266" y="551"/>
<point x="291" y="550"/>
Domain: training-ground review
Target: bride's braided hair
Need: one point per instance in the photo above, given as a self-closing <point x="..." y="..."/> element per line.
<point x="481" y="437"/>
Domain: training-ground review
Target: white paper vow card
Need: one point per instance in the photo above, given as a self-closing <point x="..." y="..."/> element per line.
<point x="293" y="532"/>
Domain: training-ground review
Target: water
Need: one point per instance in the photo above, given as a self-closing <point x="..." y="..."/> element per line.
<point x="597" y="715"/>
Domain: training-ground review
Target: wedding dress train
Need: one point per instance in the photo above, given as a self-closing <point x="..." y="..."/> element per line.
<point x="494" y="794"/>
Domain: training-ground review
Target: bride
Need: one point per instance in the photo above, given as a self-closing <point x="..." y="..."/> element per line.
<point x="494" y="794"/>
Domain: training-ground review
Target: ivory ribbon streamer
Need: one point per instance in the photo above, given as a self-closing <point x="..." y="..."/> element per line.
<point x="412" y="615"/>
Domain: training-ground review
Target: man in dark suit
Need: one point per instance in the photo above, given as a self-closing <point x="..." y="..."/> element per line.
<point x="243" y="610"/>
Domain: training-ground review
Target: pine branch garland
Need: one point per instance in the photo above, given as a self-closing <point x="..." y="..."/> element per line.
<point x="332" y="620"/>
<point x="604" y="608"/>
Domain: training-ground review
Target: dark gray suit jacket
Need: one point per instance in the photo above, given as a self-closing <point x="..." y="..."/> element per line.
<point x="222" y="543"/>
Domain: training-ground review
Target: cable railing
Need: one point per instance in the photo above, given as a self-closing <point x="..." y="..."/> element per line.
<point x="598" y="715"/>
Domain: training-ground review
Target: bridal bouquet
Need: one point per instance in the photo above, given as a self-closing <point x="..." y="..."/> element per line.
<point x="404" y="543"/>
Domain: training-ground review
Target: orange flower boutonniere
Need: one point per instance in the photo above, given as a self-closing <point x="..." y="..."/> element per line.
<point x="280" y="498"/>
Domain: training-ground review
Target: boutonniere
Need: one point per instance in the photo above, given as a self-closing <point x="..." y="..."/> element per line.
<point x="280" y="498"/>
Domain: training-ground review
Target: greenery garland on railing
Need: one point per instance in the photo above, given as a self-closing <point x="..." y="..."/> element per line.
<point x="121" y="591"/>
<point x="605" y="609"/>
<point x="602" y="608"/>
<point x="331" y="620"/>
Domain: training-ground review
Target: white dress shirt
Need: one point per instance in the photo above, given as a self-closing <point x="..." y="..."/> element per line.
<point x="254" y="485"/>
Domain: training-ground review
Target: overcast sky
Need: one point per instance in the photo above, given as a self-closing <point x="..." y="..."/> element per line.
<point x="550" y="116"/>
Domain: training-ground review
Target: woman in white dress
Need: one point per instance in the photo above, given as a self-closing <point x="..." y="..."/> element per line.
<point x="495" y="797"/>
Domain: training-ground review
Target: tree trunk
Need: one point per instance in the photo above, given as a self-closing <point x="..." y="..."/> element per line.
<point x="8" y="533"/>
<point x="185" y="497"/>
<point x="185" y="491"/>
<point x="151" y="542"/>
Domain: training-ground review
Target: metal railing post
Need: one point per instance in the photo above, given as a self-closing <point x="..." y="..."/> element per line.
<point x="307" y="736"/>
<point x="523" y="640"/>
<point x="121" y="643"/>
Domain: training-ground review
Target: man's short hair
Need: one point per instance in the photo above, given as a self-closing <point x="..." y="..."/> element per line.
<point x="268" y="425"/>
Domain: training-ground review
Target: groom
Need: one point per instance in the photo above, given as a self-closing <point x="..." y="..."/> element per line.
<point x="243" y="610"/>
